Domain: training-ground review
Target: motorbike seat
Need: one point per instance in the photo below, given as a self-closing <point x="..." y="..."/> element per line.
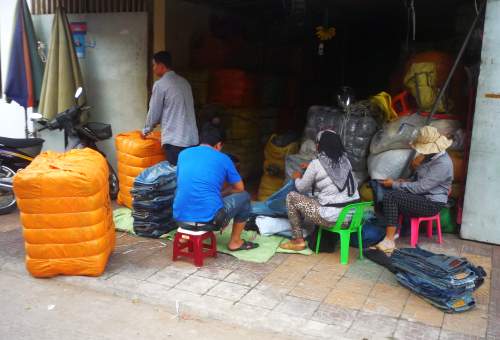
<point x="19" y="143"/>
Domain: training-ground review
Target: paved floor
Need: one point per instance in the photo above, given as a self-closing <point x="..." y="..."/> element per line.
<point x="305" y="296"/>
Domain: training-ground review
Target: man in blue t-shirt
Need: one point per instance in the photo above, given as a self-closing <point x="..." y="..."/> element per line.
<point x="201" y="174"/>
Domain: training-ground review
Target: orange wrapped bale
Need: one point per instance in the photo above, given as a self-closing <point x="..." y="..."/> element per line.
<point x="232" y="88"/>
<point x="66" y="213"/>
<point x="134" y="154"/>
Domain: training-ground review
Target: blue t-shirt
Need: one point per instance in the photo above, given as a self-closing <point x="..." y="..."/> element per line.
<point x="201" y="173"/>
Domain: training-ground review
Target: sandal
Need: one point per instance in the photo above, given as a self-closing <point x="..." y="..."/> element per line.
<point x="293" y="246"/>
<point x="386" y="246"/>
<point x="246" y="245"/>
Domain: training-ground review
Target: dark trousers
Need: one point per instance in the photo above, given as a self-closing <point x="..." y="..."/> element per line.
<point x="400" y="202"/>
<point x="172" y="153"/>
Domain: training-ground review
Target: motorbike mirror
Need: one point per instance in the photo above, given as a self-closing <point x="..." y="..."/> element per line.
<point x="78" y="92"/>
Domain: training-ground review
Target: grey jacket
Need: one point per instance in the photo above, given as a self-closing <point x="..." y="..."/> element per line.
<point x="432" y="179"/>
<point x="171" y="105"/>
<point x="324" y="190"/>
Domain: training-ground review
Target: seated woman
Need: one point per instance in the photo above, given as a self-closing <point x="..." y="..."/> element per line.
<point x="330" y="180"/>
<point x="426" y="193"/>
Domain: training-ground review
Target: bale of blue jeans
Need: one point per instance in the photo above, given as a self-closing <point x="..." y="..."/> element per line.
<point x="153" y="194"/>
<point x="445" y="281"/>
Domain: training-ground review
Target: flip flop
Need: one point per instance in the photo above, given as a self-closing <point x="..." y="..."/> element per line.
<point x="247" y="245"/>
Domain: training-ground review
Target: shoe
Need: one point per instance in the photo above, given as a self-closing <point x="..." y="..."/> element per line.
<point x="293" y="246"/>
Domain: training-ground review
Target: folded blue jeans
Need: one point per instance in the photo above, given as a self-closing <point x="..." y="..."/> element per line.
<point x="275" y="205"/>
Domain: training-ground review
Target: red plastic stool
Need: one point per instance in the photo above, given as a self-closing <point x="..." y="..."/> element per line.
<point x="194" y="246"/>
<point x="415" y="224"/>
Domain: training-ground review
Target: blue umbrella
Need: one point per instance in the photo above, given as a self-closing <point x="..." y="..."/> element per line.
<point x="25" y="69"/>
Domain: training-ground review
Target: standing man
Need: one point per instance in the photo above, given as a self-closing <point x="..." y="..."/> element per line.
<point x="171" y="106"/>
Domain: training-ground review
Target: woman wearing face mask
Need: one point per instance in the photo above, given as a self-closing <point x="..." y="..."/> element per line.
<point x="326" y="187"/>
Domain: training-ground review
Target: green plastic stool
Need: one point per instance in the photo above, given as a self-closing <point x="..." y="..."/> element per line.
<point x="356" y="225"/>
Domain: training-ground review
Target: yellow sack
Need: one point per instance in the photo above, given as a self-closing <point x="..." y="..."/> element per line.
<point x="268" y="186"/>
<point x="66" y="213"/>
<point x="424" y="77"/>
<point x="277" y="154"/>
<point x="366" y="192"/>
<point x="383" y="101"/>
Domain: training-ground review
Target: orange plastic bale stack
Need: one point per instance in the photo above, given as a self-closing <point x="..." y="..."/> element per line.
<point x="66" y="213"/>
<point x="134" y="154"/>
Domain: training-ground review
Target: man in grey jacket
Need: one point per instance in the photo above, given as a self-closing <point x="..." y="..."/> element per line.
<point x="171" y="106"/>
<point x="425" y="193"/>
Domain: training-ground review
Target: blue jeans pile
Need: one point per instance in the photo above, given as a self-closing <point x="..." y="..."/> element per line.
<point x="275" y="205"/>
<point x="447" y="282"/>
<point x="153" y="194"/>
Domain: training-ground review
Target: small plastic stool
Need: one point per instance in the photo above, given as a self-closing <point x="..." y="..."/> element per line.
<point x="415" y="224"/>
<point x="194" y="246"/>
<point x="400" y="104"/>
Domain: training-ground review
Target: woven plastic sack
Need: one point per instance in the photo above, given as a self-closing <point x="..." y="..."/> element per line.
<point x="321" y="118"/>
<point x="249" y="154"/>
<point x="199" y="81"/>
<point x="268" y="186"/>
<point x="135" y="154"/>
<point x="241" y="123"/>
<point x="389" y="164"/>
<point x="397" y="135"/>
<point x="66" y="213"/>
<point x="457" y="157"/>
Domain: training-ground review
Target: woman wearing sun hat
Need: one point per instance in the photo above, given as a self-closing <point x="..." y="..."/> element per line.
<point x="426" y="192"/>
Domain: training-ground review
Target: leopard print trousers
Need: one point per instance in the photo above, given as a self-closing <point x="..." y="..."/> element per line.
<point x="302" y="209"/>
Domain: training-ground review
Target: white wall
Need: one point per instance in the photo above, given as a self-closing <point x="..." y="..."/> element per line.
<point x="115" y="72"/>
<point x="481" y="219"/>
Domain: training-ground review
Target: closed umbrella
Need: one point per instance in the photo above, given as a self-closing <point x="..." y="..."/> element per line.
<point x="25" y="69"/>
<point x="62" y="72"/>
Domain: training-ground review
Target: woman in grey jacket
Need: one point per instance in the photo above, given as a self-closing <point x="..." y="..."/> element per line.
<point x="326" y="187"/>
<point x="424" y="194"/>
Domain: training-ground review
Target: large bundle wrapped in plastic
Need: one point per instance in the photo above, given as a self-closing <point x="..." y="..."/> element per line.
<point x="356" y="128"/>
<point x="389" y="164"/>
<point x="135" y="154"/>
<point x="153" y="194"/>
<point x="321" y="118"/>
<point x="357" y="132"/>
<point x="232" y="88"/>
<point x="66" y="213"/>
<point x="400" y="133"/>
<point x="199" y="81"/>
<point x="272" y="91"/>
<point x="248" y="155"/>
<point x="397" y="135"/>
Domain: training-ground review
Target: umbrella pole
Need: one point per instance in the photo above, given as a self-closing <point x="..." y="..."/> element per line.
<point x="26" y="130"/>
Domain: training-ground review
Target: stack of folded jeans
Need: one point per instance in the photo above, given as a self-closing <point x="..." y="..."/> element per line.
<point x="153" y="194"/>
<point x="445" y="281"/>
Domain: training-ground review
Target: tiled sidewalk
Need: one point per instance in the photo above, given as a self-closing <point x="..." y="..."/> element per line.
<point x="304" y="296"/>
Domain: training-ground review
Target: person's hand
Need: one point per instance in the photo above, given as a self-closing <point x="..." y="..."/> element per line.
<point x="145" y="133"/>
<point x="296" y="175"/>
<point x="304" y="165"/>
<point x="387" y="183"/>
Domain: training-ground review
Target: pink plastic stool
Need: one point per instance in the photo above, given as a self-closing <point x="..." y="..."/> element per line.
<point x="415" y="224"/>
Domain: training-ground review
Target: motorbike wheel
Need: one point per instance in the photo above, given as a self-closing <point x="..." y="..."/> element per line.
<point x="7" y="197"/>
<point x="113" y="183"/>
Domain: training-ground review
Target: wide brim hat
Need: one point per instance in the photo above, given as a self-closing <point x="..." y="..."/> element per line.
<point x="430" y="141"/>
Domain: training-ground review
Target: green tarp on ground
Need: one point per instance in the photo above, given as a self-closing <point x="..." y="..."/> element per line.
<point x="268" y="245"/>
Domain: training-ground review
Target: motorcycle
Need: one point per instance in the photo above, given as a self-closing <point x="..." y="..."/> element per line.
<point x="16" y="154"/>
